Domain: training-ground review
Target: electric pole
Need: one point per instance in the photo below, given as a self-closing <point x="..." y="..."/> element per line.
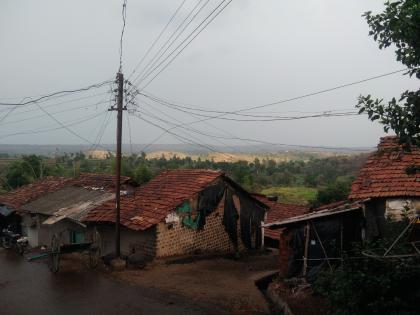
<point x="119" y="109"/>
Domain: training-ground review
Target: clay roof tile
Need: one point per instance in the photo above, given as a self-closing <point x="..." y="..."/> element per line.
<point x="385" y="172"/>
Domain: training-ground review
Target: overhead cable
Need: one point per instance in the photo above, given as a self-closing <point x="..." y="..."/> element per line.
<point x="155" y="98"/>
<point x="157" y="38"/>
<point x="171" y="40"/>
<point x="210" y="18"/>
<point x="56" y="93"/>
<point x="124" y="17"/>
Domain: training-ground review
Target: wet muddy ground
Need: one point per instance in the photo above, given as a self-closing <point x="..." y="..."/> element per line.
<point x="222" y="281"/>
<point x="30" y="288"/>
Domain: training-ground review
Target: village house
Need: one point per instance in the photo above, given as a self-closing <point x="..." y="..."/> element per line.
<point x="315" y="239"/>
<point x="277" y="211"/>
<point x="387" y="187"/>
<point x="390" y="179"/>
<point x="56" y="206"/>
<point x="181" y="212"/>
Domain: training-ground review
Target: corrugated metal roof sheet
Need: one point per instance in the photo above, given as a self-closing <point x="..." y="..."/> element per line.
<point x="28" y="193"/>
<point x="323" y="212"/>
<point x="78" y="211"/>
<point x="279" y="211"/>
<point x="65" y="198"/>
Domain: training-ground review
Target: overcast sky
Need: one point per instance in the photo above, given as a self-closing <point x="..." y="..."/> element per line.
<point x="254" y="52"/>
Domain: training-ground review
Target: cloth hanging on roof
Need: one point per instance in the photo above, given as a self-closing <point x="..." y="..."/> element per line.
<point x="251" y="216"/>
<point x="189" y="219"/>
<point x="208" y="200"/>
<point x="230" y="218"/>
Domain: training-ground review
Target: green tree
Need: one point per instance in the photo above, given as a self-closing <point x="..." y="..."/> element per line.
<point x="142" y="174"/>
<point x="19" y="174"/>
<point x="398" y="26"/>
<point x="336" y="191"/>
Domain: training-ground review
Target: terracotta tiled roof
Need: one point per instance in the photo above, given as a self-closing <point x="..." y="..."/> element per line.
<point x="279" y="212"/>
<point x="25" y="194"/>
<point x="384" y="174"/>
<point x="22" y="195"/>
<point x="152" y="202"/>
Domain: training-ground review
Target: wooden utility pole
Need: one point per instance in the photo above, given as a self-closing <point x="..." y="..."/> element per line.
<point x="120" y="79"/>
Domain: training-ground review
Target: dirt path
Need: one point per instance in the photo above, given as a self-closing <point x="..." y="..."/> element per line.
<point x="30" y="288"/>
<point x="220" y="281"/>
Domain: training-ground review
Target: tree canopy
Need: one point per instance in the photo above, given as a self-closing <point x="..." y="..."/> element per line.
<point x="398" y="26"/>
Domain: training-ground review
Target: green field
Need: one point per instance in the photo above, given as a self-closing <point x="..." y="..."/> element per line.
<point x="295" y="195"/>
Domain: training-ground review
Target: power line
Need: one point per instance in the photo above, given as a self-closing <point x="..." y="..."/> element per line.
<point x="283" y="101"/>
<point x="157" y="38"/>
<point x="124" y="16"/>
<point x="186" y="128"/>
<point x="280" y="101"/>
<point x="101" y="133"/>
<point x="102" y="128"/>
<point x="262" y="141"/>
<point x="59" y="112"/>
<point x="264" y="118"/>
<point x="63" y="125"/>
<point x="10" y="111"/>
<point x="33" y="96"/>
<point x="161" y="52"/>
<point x="165" y="114"/>
<point x="206" y="122"/>
<point x="354" y="149"/>
<point x="100" y="125"/>
<point x="188" y="43"/>
<point x="54" y="104"/>
<point x="200" y="109"/>
<point x="295" y="98"/>
<point x="181" y="138"/>
<point x="172" y="124"/>
<point x="41" y="130"/>
<point x="56" y="93"/>
<point x="322" y="91"/>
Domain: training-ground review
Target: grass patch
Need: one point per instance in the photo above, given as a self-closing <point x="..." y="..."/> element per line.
<point x="294" y="195"/>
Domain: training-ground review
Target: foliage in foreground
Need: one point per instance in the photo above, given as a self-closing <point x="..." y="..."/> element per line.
<point x="372" y="286"/>
<point x="398" y="26"/>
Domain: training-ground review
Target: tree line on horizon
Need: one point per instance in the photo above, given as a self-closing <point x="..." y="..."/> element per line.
<point x="331" y="176"/>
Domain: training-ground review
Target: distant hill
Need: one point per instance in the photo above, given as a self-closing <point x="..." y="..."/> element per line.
<point x="249" y="157"/>
<point x="246" y="152"/>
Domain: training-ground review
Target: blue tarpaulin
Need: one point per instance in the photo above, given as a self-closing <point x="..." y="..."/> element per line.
<point x="5" y="211"/>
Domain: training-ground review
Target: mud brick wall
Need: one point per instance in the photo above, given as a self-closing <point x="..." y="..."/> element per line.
<point x="175" y="239"/>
